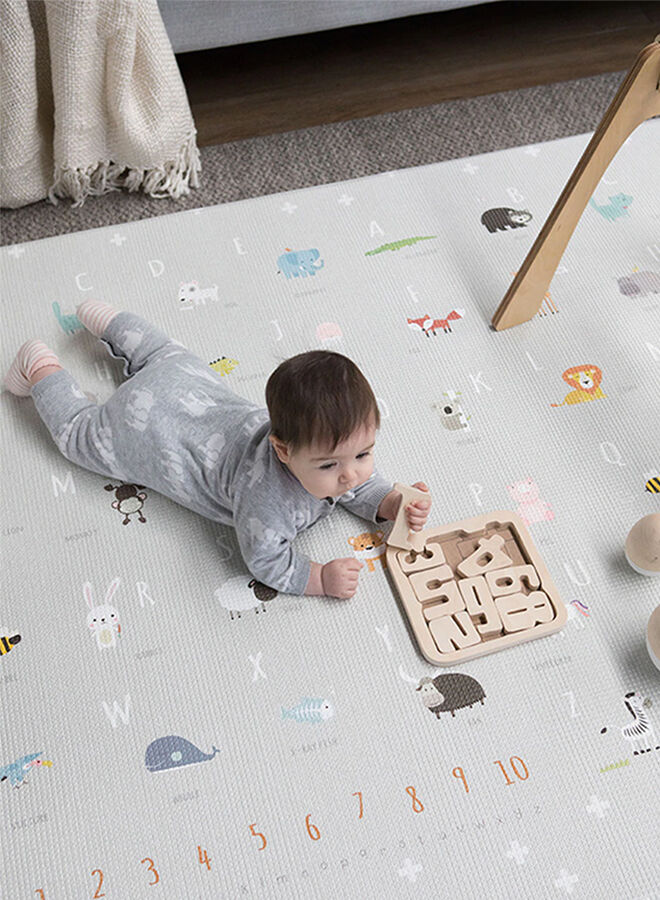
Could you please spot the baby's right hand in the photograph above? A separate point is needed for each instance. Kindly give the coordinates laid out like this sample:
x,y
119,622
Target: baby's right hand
x,y
340,577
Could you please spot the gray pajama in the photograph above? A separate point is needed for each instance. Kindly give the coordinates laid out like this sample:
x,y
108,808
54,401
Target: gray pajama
x,y
175,426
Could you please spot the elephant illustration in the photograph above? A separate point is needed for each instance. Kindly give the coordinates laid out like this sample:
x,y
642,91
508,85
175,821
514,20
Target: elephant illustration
x,y
299,262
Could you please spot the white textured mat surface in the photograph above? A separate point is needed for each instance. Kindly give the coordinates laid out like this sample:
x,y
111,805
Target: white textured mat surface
x,y
536,792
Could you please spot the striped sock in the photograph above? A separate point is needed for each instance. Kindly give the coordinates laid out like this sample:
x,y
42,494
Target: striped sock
x,y
31,356
96,316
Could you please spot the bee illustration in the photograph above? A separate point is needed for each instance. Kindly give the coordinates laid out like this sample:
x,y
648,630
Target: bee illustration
x,y
224,365
653,485
8,640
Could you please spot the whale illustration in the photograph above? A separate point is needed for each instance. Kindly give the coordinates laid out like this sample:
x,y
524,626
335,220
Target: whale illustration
x,y
173,751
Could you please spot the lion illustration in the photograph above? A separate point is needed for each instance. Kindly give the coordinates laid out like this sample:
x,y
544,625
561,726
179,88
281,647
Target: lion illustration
x,y
586,382
369,547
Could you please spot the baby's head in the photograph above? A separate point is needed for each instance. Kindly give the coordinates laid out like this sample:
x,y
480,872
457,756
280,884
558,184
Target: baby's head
x,y
324,419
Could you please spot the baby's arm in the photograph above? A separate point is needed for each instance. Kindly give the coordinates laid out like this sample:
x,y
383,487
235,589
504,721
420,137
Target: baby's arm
x,y
376,500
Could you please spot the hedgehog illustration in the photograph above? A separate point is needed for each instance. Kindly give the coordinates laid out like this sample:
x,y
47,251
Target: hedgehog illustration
x,y
447,693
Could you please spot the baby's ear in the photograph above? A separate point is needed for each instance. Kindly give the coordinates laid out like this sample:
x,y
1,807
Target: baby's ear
x,y
281,449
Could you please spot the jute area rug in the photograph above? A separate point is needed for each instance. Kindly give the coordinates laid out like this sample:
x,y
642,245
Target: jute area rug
x,y
296,159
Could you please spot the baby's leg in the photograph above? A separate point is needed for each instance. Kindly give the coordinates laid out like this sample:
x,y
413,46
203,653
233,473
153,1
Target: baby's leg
x,y
127,336
77,425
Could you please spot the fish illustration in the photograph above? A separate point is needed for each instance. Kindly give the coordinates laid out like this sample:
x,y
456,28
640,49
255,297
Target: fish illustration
x,y
173,751
310,709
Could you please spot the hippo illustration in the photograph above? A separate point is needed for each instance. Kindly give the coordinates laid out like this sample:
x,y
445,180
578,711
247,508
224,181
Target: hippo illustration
x,y
447,693
639,284
297,263
173,751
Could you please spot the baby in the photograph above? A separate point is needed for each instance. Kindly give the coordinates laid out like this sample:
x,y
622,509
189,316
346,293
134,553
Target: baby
x,y
175,427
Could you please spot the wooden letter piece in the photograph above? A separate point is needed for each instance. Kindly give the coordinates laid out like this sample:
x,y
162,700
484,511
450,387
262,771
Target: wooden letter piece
x,y
431,556
509,581
452,633
489,555
436,584
401,535
479,603
449,601
520,612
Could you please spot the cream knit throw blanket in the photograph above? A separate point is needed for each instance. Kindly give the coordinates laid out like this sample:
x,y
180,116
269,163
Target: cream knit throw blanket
x,y
91,101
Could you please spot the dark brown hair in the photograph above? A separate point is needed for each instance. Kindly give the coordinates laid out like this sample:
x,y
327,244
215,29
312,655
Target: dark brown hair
x,y
319,396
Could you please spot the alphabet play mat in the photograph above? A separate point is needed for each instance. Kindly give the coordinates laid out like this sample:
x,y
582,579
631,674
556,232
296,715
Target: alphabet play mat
x,y
172,728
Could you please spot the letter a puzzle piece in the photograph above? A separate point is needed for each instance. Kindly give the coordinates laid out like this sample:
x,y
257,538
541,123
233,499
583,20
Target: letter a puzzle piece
x,y
452,633
479,603
520,612
488,556
509,581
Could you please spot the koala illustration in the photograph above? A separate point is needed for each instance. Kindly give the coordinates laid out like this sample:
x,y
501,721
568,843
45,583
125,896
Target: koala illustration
x,y
501,218
453,416
369,547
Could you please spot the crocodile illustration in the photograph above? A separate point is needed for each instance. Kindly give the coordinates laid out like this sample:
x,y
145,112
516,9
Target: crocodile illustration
x,y
397,245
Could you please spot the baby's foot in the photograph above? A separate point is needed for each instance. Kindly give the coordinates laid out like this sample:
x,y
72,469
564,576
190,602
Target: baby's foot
x,y
96,316
31,357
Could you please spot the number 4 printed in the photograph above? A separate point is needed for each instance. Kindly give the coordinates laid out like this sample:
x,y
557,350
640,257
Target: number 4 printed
x,y
204,859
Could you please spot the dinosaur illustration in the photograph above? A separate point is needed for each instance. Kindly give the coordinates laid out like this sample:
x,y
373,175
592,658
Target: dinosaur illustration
x,y
617,207
70,323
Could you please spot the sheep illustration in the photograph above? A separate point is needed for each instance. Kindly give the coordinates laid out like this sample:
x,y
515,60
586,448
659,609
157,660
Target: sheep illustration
x,y
237,596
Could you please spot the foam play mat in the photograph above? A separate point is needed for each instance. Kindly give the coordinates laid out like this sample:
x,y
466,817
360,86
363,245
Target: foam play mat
x,y
171,727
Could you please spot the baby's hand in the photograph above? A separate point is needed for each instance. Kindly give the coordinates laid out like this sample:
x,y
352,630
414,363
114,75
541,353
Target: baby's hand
x,y
417,512
340,577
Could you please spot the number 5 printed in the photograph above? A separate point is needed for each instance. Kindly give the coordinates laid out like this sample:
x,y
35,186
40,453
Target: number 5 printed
x,y
258,834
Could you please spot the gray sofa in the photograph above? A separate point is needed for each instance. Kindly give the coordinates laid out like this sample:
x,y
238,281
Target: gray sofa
x,y
202,24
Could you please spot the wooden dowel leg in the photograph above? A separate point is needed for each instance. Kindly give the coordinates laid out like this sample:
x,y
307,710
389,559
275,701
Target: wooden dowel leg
x,y
637,99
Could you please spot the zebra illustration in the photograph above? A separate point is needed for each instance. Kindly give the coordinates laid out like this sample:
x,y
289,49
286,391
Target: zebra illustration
x,y
641,732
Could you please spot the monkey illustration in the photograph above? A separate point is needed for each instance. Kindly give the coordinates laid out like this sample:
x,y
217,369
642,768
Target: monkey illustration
x,y
128,501
501,218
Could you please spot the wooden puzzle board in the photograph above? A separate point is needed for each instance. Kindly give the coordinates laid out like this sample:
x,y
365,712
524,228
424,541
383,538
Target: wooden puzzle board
x,y
480,585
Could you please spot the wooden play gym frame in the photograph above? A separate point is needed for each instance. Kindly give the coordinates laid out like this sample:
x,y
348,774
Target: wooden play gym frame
x,y
637,100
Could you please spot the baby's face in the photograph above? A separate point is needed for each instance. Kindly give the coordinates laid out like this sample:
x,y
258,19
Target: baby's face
x,y
325,473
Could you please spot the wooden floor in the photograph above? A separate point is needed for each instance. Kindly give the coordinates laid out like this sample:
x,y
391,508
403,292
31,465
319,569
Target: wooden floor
x,y
282,85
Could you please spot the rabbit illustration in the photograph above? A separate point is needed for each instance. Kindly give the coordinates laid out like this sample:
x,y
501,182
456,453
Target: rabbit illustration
x,y
103,620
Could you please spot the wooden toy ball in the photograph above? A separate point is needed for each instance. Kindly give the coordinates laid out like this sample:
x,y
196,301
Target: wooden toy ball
x,y
643,545
653,636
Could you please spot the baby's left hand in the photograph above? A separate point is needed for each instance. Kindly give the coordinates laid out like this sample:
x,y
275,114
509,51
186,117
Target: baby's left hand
x,y
417,512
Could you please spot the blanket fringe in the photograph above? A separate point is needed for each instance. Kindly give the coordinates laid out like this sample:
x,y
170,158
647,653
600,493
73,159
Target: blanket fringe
x,y
172,179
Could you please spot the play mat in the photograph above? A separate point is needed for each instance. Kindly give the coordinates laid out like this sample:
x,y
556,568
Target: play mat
x,y
214,739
